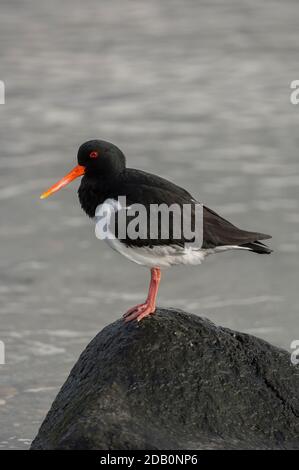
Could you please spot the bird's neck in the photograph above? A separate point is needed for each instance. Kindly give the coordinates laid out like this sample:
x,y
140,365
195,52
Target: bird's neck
x,y
94,190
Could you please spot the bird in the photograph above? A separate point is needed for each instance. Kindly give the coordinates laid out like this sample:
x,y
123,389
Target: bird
x,y
106,178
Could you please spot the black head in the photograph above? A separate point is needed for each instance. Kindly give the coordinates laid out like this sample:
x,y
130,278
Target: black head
x,y
101,159
98,161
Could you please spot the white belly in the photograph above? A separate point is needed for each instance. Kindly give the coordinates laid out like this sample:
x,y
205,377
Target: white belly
x,y
159,256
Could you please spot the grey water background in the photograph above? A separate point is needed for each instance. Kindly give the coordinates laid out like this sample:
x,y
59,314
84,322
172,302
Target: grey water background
x,y
195,91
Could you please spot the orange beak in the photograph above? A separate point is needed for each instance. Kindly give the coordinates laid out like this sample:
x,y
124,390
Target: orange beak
x,y
75,173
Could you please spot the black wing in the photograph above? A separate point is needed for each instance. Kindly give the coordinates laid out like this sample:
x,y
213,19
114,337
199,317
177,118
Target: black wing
x,y
145,188
220,232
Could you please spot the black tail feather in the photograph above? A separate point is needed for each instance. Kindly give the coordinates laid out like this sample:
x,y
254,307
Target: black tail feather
x,y
258,247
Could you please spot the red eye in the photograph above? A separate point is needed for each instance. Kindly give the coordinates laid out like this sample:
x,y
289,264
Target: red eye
x,y
93,155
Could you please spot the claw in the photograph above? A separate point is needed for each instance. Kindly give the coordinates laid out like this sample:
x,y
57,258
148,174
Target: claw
x,y
138,312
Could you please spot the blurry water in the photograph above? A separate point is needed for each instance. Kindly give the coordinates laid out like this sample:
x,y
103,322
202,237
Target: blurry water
x,y
196,91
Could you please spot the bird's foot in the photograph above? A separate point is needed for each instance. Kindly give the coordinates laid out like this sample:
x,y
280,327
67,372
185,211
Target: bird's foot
x,y
139,312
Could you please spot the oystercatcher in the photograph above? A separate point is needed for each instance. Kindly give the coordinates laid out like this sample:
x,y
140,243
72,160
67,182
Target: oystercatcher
x,y
106,177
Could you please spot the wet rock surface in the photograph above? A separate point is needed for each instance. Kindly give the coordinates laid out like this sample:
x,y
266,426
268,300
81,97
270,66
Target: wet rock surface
x,y
175,381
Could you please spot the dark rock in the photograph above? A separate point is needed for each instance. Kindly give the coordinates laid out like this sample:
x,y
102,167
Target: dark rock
x,y
175,381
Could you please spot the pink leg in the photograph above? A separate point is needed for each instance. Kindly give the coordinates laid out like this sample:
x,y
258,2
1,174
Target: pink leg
x,y
143,310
